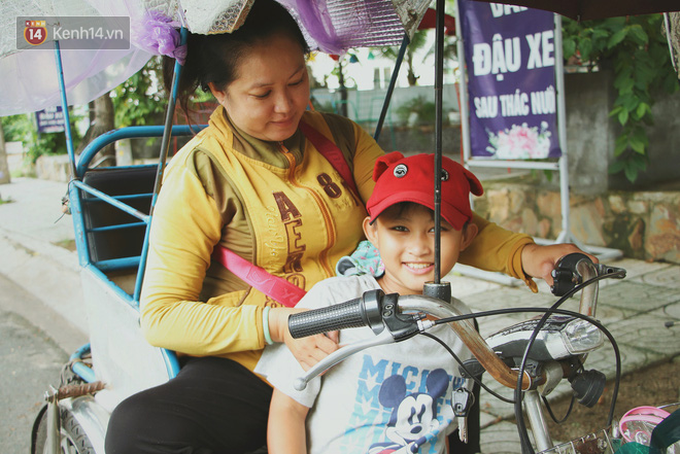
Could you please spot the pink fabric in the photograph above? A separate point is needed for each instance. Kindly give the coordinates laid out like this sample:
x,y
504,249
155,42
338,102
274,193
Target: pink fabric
x,y
275,287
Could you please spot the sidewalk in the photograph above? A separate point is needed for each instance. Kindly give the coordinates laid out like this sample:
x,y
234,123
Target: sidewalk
x,y
30,234
635,309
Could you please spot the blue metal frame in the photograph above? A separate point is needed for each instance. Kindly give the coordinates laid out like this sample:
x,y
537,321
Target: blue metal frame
x,y
77,188
130,132
80,369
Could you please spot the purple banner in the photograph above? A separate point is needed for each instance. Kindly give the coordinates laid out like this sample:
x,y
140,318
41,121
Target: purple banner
x,y
510,58
50,120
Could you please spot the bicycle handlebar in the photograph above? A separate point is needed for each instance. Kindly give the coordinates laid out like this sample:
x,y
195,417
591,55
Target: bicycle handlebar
x,y
364,311
374,309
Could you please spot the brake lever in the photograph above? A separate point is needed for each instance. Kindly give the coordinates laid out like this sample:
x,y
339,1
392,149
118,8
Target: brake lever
x,y
574,269
385,337
616,272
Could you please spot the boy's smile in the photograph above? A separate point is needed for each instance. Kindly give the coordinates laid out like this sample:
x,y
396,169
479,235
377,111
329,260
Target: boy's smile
x,y
404,235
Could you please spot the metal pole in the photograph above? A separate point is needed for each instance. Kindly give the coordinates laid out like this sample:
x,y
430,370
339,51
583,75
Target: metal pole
x,y
64,108
165,148
565,235
390,88
462,91
539,427
169,114
438,97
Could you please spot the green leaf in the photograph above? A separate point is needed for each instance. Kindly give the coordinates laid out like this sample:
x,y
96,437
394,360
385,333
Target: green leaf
x,y
624,83
621,145
617,37
586,46
598,33
615,111
568,47
637,146
642,109
639,162
640,135
644,75
614,23
639,34
623,117
629,101
616,167
631,173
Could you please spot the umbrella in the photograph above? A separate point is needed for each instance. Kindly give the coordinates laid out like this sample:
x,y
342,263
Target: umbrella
x,y
597,9
30,81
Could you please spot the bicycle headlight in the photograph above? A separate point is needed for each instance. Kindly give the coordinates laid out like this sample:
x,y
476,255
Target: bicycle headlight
x,y
560,337
581,336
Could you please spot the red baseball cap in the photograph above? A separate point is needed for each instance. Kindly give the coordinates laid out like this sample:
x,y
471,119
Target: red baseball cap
x,y
399,179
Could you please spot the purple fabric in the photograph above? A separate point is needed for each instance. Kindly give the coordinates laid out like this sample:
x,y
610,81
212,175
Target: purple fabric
x,y
510,56
338,25
334,26
317,22
159,35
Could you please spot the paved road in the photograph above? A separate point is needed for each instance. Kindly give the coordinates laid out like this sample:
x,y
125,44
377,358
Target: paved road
x,y
30,361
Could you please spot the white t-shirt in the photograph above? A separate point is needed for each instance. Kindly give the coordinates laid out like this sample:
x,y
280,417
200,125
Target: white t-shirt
x,y
386,399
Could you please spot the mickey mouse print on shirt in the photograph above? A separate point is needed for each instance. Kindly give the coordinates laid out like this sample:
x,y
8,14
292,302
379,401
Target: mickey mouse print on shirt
x,y
413,421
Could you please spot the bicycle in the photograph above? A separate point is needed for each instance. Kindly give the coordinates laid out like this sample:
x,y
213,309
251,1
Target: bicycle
x,y
531,357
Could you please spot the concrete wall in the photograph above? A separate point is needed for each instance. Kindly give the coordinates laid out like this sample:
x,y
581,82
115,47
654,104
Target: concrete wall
x,y
591,137
590,134
643,224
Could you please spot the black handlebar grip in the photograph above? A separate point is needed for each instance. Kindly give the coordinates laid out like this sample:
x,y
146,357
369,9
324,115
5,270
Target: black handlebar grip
x,y
565,275
350,314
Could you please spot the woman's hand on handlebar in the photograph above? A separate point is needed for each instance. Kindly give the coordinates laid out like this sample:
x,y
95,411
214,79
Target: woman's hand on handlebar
x,y
539,261
307,350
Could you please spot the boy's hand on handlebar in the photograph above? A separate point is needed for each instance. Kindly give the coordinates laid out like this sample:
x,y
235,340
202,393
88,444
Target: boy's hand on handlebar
x,y
539,261
307,350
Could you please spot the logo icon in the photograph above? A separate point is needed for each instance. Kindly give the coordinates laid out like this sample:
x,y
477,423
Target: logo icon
x,y
35,32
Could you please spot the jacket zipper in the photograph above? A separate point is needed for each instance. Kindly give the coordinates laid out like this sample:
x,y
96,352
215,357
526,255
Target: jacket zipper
x,y
327,218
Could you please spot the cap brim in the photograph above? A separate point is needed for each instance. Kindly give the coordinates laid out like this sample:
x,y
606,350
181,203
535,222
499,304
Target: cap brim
x,y
449,212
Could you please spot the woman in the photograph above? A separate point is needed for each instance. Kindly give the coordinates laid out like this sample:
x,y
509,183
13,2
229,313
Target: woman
x,y
254,183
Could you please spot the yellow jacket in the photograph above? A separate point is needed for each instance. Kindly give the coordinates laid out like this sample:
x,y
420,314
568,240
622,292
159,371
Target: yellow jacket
x,y
283,207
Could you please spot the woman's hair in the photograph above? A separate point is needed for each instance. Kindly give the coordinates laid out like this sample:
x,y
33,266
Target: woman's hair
x,y
216,58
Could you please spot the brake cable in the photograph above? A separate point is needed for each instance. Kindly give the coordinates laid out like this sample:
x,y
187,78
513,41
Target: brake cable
x,y
521,426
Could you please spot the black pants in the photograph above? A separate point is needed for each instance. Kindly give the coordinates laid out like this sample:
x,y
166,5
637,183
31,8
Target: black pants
x,y
213,405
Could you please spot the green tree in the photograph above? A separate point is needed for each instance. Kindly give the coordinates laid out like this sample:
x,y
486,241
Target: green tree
x,y
635,48
418,42
18,128
22,128
140,100
4,166
101,121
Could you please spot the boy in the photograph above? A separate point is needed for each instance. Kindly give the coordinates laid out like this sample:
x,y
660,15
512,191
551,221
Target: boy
x,y
392,398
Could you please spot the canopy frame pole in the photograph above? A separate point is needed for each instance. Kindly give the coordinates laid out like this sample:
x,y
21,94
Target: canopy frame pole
x,y
390,89
438,101
165,149
64,108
